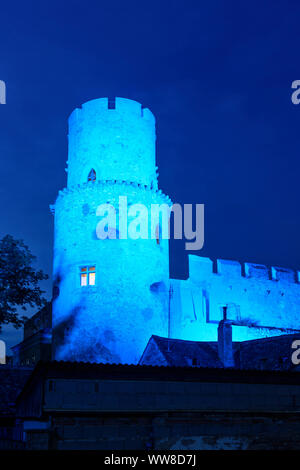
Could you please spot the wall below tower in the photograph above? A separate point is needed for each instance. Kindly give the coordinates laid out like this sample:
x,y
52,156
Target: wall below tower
x,y
262,302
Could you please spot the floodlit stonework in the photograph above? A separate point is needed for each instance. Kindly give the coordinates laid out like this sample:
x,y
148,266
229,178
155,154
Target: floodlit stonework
x,y
109,315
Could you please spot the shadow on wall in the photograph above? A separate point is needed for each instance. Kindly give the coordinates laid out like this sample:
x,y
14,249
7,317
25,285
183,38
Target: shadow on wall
x,y
62,331
71,342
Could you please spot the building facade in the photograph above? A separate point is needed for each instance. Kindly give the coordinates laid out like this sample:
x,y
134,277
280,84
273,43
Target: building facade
x,y
66,406
260,301
37,339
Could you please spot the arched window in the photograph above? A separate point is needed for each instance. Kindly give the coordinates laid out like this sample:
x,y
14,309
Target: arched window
x,y
92,175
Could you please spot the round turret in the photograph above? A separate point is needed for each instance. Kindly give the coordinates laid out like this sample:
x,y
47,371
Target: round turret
x,y
113,139
110,295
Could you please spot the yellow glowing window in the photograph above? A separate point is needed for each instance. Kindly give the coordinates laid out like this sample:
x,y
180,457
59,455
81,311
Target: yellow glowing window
x,y
87,276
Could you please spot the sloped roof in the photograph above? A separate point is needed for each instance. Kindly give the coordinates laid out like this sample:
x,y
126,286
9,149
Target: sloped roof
x,y
257,361
273,353
181,353
40,320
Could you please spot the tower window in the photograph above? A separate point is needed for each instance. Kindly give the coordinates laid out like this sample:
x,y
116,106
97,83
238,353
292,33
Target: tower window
x,y
111,103
158,234
92,175
87,276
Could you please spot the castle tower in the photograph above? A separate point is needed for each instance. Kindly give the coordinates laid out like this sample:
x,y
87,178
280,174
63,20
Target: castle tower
x,y
109,295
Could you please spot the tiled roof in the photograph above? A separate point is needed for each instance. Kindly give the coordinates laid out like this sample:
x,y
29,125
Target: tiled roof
x,y
181,353
273,353
129,372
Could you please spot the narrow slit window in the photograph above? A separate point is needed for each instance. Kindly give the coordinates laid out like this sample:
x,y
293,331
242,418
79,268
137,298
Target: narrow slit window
x,y
92,175
87,276
158,234
111,103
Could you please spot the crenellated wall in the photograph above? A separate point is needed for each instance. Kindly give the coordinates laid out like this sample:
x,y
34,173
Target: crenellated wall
x,y
260,301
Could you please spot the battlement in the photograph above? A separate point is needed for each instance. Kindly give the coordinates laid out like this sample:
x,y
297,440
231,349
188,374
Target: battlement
x,y
109,105
202,266
157,195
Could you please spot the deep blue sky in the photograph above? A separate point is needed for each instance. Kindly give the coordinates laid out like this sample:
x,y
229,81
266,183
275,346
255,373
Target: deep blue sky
x,y
217,75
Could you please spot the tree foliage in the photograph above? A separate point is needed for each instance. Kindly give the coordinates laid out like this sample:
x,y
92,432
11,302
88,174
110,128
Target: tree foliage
x,y
19,281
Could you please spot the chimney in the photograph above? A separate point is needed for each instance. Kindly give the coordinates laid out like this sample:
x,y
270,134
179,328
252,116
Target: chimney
x,y
225,341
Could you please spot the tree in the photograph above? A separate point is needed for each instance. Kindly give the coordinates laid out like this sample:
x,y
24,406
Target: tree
x,y
19,281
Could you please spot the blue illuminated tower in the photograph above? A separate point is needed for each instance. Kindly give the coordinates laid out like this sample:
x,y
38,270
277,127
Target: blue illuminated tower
x,y
110,295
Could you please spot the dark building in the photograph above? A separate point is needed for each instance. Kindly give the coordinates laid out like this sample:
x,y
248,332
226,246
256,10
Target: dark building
x,y
12,380
182,395
37,339
67,405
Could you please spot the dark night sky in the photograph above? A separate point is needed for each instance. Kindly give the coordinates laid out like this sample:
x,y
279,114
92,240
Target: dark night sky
x,y
217,75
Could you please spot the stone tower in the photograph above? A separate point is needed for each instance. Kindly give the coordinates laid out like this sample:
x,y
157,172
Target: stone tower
x,y
109,295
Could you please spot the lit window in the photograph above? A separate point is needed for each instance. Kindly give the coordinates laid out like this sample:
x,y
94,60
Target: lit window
x,y
92,175
87,276
92,275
